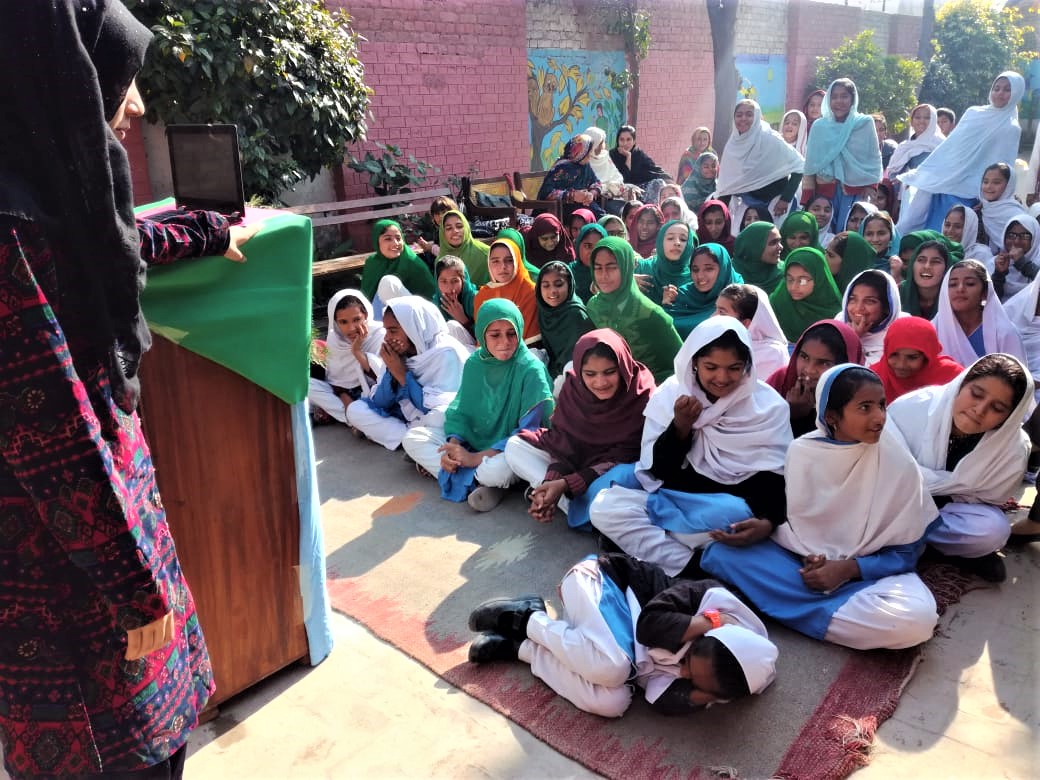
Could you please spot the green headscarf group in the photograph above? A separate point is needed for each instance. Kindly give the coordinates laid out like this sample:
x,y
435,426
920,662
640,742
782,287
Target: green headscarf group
x,y
858,257
691,306
496,394
583,273
473,253
644,325
822,304
561,326
748,249
800,222
908,296
408,267
663,271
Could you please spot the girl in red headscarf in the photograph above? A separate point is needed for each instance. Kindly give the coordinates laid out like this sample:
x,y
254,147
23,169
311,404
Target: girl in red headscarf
x,y
643,226
912,358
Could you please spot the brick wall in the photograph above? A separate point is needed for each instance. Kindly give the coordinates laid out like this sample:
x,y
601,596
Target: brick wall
x,y
449,80
677,88
761,27
568,24
134,144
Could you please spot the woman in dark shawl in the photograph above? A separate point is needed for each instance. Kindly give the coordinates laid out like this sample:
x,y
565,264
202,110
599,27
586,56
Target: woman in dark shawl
x,y
572,180
635,165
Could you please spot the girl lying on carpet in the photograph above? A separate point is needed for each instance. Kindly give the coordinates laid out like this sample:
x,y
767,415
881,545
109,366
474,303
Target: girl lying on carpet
x,y
842,567
687,644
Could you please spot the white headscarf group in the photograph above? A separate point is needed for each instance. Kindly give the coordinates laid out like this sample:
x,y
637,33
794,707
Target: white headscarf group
x,y
846,500
756,158
342,368
746,432
927,141
803,130
998,214
998,334
989,473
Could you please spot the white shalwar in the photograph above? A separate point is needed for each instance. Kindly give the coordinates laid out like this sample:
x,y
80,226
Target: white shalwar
x,y
422,444
530,464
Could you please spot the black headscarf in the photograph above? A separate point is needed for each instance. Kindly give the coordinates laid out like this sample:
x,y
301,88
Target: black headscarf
x,y
67,66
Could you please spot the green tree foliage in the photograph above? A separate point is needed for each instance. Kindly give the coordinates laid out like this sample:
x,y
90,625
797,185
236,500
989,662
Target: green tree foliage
x,y
285,72
886,83
973,42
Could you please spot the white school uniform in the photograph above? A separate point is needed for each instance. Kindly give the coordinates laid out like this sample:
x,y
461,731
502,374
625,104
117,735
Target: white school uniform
x,y
998,333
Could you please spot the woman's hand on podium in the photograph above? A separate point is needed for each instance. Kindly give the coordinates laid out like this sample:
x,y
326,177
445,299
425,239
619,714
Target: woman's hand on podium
x,y
239,235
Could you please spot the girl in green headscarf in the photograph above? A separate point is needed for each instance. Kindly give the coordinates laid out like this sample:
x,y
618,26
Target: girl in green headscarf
x,y
562,317
670,264
620,305
454,296
919,292
581,268
614,225
756,255
393,257
848,255
505,389
711,271
799,229
455,238
808,293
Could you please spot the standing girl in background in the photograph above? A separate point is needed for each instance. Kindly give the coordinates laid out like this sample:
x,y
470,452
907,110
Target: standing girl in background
x,y
820,207
795,129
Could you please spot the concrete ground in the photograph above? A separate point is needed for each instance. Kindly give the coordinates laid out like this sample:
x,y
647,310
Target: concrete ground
x,y
369,711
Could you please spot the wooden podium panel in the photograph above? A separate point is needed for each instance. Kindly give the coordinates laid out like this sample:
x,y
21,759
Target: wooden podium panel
x,y
223,453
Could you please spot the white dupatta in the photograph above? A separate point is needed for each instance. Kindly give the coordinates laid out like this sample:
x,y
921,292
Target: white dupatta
x,y
746,432
768,342
756,158
989,473
874,340
341,367
912,147
998,214
846,500
998,333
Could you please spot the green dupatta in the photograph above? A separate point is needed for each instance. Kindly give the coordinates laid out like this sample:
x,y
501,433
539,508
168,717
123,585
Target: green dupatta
x,y
561,326
664,271
747,255
691,306
908,297
859,256
823,304
472,252
800,222
644,325
496,394
408,267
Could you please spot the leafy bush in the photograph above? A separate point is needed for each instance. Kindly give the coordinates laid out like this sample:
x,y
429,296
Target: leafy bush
x,y
973,42
285,72
388,174
886,83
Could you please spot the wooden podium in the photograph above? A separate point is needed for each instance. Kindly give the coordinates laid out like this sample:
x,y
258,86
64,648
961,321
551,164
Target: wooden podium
x,y
223,453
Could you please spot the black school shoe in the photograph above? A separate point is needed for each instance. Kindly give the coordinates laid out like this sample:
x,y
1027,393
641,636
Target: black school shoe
x,y
493,647
507,617
989,567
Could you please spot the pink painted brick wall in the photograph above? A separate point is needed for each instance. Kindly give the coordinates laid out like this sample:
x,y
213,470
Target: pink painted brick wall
x,y
134,144
449,80
677,89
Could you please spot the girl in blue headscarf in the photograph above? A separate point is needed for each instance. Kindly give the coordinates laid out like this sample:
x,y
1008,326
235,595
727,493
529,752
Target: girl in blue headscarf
x,y
842,157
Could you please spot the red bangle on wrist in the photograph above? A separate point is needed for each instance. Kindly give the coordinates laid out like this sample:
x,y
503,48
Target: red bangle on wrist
x,y
714,617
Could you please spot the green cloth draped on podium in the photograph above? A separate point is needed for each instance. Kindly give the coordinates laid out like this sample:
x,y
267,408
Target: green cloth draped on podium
x,y
253,318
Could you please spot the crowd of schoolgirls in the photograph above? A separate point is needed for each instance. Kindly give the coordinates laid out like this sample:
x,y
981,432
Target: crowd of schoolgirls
x,y
790,373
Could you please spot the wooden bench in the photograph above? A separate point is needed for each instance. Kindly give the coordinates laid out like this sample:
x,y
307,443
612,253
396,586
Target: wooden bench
x,y
528,184
498,186
342,212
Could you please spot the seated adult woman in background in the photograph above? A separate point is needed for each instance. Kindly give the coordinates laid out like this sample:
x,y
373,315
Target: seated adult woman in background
x,y
661,275
611,181
1017,262
548,240
813,107
758,166
848,254
870,304
394,258
710,270
700,142
750,305
455,298
961,225
700,184
562,318
967,439
636,166
510,279
850,582
997,204
644,225
913,359
970,319
925,136
842,157
799,229
952,172
597,424
823,345
795,129
714,224
919,292
674,208
820,207
504,389
808,293
581,269
423,371
711,429
757,255
571,179
620,306
352,364
456,238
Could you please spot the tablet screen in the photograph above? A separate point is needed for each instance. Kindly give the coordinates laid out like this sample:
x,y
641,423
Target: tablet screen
x,y
206,167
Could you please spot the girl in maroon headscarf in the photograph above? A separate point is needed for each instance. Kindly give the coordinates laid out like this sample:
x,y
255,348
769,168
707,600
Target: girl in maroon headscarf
x,y
642,232
597,424
547,240
715,225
